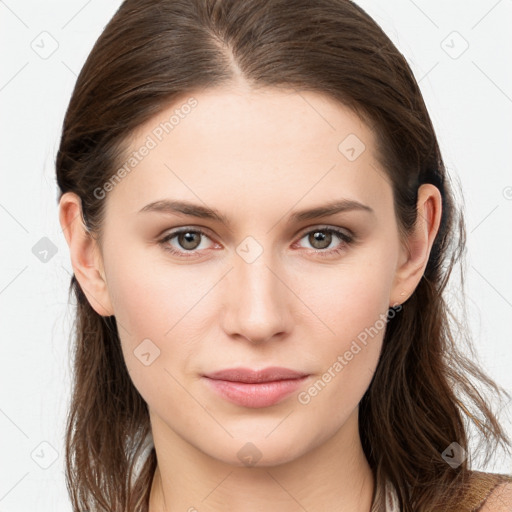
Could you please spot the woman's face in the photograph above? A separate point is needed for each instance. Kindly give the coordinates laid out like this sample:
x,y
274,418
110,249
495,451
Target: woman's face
x,y
258,283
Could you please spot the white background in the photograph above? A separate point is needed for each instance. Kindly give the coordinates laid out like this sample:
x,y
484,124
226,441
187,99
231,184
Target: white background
x,y
470,102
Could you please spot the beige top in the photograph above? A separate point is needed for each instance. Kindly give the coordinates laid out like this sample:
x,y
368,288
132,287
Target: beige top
x,y
479,487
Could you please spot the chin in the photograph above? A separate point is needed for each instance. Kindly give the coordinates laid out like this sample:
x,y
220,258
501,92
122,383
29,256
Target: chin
x,y
258,451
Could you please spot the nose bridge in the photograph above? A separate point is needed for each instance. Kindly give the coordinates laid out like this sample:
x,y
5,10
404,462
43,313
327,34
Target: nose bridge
x,y
257,299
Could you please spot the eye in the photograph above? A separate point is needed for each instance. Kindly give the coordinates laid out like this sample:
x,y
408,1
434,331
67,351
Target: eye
x,y
187,240
322,237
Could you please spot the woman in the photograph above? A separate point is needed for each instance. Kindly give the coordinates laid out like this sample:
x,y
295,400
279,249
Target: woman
x,y
261,228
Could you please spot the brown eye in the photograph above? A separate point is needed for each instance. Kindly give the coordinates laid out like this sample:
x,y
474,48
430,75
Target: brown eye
x,y
189,239
319,239
185,242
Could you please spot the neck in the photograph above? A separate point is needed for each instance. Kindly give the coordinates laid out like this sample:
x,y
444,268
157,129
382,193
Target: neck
x,y
332,476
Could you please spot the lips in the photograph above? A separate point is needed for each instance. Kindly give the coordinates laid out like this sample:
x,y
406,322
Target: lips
x,y
248,375
255,388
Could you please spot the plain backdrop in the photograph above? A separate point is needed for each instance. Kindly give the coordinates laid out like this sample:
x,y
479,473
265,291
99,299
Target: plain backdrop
x,y
460,53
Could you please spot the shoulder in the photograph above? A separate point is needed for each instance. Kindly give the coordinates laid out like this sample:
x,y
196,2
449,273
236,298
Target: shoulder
x,y
483,492
500,499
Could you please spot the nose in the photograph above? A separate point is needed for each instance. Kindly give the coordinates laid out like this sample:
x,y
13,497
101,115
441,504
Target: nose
x,y
257,301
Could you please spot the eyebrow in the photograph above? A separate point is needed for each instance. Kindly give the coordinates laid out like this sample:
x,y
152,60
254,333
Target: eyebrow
x,y
203,212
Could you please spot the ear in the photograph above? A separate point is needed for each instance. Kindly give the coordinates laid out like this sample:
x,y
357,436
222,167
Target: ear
x,y
85,254
415,254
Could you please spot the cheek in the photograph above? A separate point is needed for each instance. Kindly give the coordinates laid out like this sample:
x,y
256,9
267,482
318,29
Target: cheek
x,y
353,303
158,309
346,363
150,296
349,299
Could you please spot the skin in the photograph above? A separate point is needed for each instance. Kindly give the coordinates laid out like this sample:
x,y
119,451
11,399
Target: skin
x,y
256,157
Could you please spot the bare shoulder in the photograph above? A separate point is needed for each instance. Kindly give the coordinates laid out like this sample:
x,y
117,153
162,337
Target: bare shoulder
x,y
500,500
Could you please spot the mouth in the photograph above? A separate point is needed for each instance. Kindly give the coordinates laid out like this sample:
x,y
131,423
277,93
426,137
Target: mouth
x,y
255,388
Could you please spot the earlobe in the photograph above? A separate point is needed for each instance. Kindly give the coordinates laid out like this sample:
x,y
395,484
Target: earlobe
x,y
415,254
85,254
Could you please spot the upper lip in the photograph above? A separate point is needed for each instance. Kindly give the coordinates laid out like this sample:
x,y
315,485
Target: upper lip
x,y
269,374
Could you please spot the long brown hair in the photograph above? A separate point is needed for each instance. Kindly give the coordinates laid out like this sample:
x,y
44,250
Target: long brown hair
x,y
425,393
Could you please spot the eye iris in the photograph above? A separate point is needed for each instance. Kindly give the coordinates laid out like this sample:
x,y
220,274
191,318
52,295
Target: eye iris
x,y
186,239
322,237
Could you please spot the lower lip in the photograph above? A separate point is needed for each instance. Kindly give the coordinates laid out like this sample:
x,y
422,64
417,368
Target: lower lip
x,y
254,395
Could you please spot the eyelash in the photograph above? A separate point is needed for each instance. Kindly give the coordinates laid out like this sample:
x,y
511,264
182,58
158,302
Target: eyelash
x,y
346,239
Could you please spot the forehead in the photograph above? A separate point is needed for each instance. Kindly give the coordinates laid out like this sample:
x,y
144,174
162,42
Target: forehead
x,y
252,147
